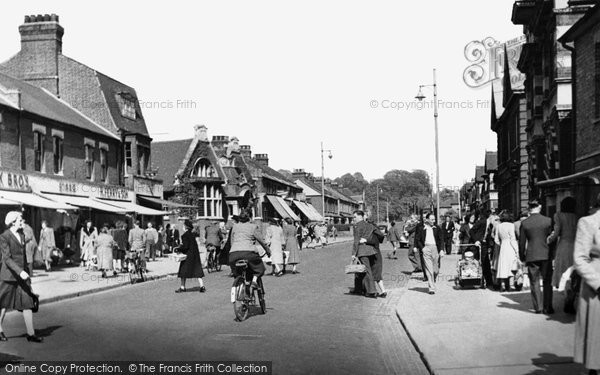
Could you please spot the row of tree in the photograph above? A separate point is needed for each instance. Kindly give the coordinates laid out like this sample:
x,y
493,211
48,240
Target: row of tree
x,y
400,192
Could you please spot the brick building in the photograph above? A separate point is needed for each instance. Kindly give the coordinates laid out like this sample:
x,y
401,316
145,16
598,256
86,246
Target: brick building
x,y
56,164
509,122
583,40
108,102
547,66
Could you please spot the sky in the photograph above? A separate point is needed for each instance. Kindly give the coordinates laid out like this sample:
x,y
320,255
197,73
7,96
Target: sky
x,y
285,76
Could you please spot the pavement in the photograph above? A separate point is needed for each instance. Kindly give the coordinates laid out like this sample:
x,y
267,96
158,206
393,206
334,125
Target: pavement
x,y
312,324
473,331
70,281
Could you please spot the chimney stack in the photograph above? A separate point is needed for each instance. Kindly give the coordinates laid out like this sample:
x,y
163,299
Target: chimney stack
x,y
41,43
246,151
299,173
219,142
200,133
262,159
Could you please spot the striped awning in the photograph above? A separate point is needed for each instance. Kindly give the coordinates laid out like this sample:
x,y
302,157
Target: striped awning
x,y
282,208
309,211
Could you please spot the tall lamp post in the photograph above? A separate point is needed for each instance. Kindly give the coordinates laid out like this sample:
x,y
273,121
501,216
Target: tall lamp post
x,y
420,96
378,203
330,155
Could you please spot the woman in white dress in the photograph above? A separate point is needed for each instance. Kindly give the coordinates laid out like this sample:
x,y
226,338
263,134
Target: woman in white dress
x,y
87,244
275,241
509,250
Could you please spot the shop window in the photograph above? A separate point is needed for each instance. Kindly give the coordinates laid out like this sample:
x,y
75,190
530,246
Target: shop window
x,y
89,161
103,164
38,151
57,144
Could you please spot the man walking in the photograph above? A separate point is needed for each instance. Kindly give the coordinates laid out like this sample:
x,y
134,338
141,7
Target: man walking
x,y
429,241
413,253
448,234
150,241
534,251
394,237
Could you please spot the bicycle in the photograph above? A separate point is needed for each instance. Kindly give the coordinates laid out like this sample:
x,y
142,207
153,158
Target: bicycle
x,y
136,266
212,261
243,296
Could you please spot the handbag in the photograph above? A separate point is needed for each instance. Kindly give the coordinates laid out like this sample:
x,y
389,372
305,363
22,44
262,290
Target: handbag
x,y
516,265
355,267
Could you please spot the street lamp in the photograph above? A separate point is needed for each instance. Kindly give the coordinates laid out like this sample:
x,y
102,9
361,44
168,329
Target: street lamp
x,y
330,155
378,188
420,96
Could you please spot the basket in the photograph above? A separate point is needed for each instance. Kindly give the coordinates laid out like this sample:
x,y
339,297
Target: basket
x,y
355,268
177,257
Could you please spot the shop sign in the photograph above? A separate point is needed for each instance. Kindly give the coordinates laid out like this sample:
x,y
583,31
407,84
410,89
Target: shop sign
x,y
14,181
146,187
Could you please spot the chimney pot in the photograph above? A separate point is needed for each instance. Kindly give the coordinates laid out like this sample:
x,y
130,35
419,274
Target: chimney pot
x,y
200,132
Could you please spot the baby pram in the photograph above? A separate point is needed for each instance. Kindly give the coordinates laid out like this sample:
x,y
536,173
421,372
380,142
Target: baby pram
x,y
468,269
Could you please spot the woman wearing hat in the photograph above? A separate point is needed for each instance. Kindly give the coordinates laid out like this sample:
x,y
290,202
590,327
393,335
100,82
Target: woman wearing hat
x,y
191,267
275,240
15,284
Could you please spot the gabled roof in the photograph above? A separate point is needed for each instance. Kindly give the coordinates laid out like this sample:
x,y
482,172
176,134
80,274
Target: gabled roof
x,y
259,170
167,157
38,101
479,171
491,161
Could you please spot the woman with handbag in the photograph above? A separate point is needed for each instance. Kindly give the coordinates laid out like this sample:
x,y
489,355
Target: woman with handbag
x,y
366,250
506,263
275,241
47,244
15,283
87,244
191,266
587,264
291,244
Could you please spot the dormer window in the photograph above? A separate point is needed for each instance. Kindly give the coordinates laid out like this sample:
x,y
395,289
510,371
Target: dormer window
x,y
127,105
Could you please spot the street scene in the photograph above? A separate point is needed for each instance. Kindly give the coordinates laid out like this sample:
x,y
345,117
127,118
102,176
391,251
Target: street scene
x,y
317,188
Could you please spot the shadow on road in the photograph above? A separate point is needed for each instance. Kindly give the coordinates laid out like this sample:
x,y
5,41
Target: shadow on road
x,y
551,364
419,289
523,303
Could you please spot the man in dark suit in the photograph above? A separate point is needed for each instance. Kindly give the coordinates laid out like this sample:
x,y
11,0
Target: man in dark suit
x,y
482,253
448,232
534,251
429,241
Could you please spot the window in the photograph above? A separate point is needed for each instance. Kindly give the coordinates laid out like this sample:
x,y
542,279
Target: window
x,y
203,168
210,202
38,150
127,105
57,144
128,160
143,153
89,161
103,164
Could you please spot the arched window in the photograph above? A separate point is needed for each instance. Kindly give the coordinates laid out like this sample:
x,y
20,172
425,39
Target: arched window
x,y
203,168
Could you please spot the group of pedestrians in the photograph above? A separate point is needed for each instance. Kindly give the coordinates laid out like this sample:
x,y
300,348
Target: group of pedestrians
x,y
281,237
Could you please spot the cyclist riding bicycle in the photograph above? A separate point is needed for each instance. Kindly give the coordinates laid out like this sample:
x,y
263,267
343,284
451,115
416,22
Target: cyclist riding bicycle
x,y
213,238
244,236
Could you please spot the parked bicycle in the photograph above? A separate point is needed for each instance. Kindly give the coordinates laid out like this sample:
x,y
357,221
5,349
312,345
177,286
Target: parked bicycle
x,y
243,296
136,265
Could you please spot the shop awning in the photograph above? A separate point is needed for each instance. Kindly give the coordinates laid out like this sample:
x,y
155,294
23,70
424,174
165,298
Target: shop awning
x,y
6,202
282,208
309,211
132,207
80,201
163,202
569,178
33,199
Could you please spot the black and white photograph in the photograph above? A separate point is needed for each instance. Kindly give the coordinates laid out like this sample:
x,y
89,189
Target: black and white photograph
x,y
315,187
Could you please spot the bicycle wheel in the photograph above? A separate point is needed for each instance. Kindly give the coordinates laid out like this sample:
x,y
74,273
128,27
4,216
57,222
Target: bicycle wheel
x,y
239,299
261,297
209,262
